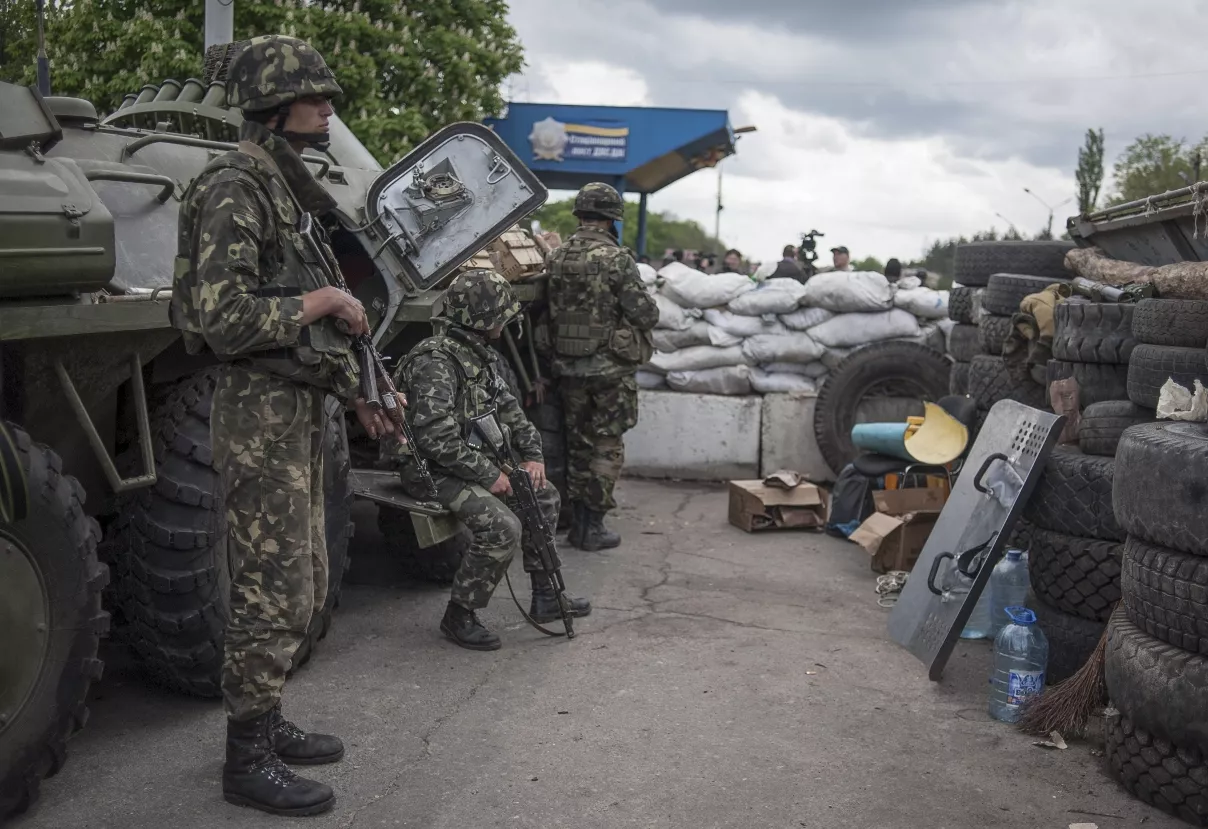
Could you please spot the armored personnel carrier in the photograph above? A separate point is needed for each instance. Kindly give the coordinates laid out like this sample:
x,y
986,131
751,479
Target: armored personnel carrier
x,y
109,506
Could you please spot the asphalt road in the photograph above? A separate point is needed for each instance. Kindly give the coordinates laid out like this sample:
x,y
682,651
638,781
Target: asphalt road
x,y
724,680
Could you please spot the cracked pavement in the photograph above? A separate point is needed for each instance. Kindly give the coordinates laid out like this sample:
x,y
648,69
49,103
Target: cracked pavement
x,y
723,680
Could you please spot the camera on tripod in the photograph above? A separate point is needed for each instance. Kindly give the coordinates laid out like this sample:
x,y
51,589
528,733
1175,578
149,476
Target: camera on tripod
x,y
807,252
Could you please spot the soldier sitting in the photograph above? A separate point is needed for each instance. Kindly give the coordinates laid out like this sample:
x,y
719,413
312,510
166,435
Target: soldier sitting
x,y
450,380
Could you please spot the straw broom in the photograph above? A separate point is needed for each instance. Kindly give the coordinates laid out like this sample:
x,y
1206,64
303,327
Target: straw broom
x,y
1068,705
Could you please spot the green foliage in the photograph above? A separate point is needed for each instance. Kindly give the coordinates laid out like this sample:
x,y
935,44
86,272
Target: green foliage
x,y
663,230
1090,171
1154,164
407,68
869,263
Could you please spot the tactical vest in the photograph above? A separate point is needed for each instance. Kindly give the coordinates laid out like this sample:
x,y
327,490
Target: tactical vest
x,y
323,355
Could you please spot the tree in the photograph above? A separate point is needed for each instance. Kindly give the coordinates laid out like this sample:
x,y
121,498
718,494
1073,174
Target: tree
x,y
407,68
663,230
869,263
1154,164
1090,171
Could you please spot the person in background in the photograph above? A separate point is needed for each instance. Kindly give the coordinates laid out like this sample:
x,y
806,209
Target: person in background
x,y
706,263
643,259
732,262
893,270
842,260
787,267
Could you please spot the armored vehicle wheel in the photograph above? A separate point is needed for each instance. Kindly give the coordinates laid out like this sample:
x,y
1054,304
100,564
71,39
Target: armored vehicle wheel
x,y
169,545
50,612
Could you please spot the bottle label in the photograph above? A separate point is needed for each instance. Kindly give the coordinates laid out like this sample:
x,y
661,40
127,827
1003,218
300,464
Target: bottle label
x,y
1023,686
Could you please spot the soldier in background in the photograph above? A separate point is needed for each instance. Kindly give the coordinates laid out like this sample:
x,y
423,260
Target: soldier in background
x,y
451,380
601,317
247,292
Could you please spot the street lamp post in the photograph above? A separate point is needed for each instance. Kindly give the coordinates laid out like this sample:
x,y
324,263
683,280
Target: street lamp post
x,y
1049,229
738,133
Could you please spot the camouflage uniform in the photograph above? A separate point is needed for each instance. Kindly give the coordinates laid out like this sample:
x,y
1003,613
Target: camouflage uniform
x,y
450,379
241,271
601,316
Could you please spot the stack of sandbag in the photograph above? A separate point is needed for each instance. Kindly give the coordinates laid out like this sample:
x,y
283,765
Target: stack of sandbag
x,y
734,334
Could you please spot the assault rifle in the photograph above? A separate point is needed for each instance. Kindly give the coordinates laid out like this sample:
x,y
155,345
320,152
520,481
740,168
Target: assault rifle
x,y
1102,292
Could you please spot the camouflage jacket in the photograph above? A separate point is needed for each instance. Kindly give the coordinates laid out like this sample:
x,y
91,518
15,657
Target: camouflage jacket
x,y
448,379
601,314
242,266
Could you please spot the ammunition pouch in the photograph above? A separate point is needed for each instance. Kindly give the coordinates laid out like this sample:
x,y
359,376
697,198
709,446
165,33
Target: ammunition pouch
x,y
632,345
575,336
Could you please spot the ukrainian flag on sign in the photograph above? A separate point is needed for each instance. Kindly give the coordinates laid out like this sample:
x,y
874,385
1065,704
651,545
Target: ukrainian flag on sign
x,y
597,141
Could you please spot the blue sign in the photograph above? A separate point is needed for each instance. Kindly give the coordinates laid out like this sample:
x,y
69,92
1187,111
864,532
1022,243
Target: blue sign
x,y
587,140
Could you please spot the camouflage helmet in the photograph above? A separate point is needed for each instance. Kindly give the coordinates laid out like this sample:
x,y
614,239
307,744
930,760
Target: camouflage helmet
x,y
273,71
480,299
600,198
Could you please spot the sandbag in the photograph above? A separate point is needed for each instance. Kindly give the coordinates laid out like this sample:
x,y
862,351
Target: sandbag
x,y
720,380
796,347
673,316
690,288
833,356
848,291
804,319
666,339
648,275
650,380
697,358
741,326
766,382
847,330
776,296
922,302
908,283
804,369
721,338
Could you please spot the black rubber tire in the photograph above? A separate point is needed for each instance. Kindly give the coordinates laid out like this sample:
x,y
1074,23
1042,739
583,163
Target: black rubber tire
x,y
1166,594
1093,332
975,262
1005,291
989,382
1150,366
1160,493
907,368
1166,776
960,304
1164,689
1103,423
958,379
992,333
1072,640
1074,496
438,563
169,546
1097,382
1079,576
963,343
62,541
1176,322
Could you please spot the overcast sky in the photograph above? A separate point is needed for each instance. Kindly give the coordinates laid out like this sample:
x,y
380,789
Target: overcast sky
x,y
883,123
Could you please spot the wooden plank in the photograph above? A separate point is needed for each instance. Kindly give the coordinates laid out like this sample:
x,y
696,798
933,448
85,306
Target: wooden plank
x,y
28,322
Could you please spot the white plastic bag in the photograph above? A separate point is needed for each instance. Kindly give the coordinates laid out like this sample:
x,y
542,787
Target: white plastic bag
x,y
672,316
650,380
692,289
776,296
720,380
847,291
766,382
781,348
847,330
698,358
741,326
1175,402
804,319
922,302
648,274
666,339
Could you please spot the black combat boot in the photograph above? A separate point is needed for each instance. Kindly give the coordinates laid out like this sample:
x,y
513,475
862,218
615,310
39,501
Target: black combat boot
x,y
595,535
463,627
574,535
544,607
293,745
255,776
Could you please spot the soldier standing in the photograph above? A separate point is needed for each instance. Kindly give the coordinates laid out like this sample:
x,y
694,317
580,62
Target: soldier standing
x,y
451,379
249,291
601,316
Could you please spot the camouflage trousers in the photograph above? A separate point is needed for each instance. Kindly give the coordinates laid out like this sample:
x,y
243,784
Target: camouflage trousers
x,y
267,438
497,531
598,410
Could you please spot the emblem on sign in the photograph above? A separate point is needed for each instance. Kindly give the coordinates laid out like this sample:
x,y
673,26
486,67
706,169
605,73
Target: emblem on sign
x,y
548,139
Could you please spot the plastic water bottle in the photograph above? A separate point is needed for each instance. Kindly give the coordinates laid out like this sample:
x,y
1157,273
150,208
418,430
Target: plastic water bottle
x,y
978,625
1021,655
1008,588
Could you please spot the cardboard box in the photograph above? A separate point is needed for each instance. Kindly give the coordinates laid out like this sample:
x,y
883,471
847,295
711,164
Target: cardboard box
x,y
755,507
895,534
517,255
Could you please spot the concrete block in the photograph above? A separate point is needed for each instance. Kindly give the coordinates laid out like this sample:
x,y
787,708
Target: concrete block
x,y
788,437
694,437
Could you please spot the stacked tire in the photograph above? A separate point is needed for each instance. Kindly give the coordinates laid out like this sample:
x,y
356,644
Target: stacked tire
x,y
1075,549
963,343
1092,343
1156,665
1171,335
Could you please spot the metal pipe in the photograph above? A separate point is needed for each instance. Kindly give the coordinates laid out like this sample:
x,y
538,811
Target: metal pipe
x,y
216,95
220,22
192,92
168,90
1169,195
146,94
171,138
526,384
168,184
42,60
